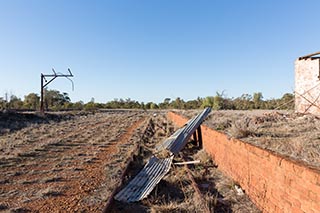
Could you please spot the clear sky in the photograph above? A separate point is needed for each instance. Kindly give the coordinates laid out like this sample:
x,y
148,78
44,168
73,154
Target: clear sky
x,y
155,49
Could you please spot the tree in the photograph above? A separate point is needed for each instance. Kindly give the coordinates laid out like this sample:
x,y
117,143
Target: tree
x,y
2,104
218,101
287,101
90,106
178,103
244,102
257,100
192,104
53,99
154,106
6,100
207,102
31,101
65,98
142,105
165,104
148,105
15,102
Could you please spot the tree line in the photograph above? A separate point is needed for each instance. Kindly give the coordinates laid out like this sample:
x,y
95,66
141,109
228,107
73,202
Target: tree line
x,y
54,100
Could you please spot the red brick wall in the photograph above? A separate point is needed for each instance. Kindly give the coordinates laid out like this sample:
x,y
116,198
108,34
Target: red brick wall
x,y
273,182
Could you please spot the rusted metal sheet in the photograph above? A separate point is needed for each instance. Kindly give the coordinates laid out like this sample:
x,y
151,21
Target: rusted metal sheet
x,y
141,185
179,139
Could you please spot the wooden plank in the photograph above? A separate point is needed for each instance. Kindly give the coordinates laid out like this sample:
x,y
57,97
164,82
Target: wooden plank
x,y
188,162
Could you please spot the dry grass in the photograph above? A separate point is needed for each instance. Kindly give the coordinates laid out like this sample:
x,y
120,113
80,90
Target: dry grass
x,y
50,192
242,128
52,179
69,161
174,206
3,206
19,210
204,157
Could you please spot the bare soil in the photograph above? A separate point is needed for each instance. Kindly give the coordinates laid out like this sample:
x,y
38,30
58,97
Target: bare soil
x,y
294,135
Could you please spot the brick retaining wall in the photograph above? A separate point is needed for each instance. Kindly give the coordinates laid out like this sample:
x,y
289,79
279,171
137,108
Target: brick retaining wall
x,y
273,182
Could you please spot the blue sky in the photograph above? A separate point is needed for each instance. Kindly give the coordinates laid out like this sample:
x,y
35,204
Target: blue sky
x,y
151,50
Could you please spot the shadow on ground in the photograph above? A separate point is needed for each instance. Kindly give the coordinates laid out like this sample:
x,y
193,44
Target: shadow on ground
x,y
14,121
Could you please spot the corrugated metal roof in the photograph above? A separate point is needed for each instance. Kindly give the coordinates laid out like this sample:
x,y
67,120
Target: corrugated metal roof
x,y
141,185
179,139
309,55
170,140
145,181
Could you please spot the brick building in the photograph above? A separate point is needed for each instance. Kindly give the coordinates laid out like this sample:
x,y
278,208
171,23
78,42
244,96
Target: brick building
x,y
307,84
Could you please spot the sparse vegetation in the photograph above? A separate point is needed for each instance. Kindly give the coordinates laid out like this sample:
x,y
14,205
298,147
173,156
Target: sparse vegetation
x,y
63,163
49,192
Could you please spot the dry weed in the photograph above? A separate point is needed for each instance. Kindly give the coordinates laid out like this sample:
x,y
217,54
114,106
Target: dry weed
x,y
19,210
48,192
3,206
163,154
203,156
242,128
52,179
170,207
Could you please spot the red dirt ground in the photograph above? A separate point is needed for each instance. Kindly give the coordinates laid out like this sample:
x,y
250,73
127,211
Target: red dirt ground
x,y
69,166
